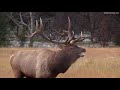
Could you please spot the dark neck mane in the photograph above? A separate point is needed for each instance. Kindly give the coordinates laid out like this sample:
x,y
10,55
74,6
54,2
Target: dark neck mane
x,y
61,61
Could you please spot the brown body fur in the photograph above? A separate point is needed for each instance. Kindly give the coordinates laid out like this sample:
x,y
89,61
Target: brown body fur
x,y
43,63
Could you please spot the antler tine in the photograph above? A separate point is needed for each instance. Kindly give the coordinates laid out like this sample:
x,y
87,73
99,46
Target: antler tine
x,y
37,26
69,25
70,32
38,29
81,35
78,39
41,25
32,34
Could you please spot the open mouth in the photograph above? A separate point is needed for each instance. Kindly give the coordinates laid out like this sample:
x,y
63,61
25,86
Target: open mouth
x,y
82,54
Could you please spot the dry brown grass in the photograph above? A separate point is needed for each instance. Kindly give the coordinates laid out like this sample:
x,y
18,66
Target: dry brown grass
x,y
97,63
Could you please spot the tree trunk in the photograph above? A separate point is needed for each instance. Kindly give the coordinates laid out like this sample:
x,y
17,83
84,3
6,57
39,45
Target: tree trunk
x,y
21,43
91,25
31,42
31,30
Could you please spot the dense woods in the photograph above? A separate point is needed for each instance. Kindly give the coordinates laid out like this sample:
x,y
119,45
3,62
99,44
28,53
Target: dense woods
x,y
100,28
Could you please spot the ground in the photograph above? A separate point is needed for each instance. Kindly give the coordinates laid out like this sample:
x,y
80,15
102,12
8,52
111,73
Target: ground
x,y
97,63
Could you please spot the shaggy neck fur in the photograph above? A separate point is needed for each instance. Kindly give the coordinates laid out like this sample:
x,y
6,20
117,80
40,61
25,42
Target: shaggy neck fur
x,y
61,61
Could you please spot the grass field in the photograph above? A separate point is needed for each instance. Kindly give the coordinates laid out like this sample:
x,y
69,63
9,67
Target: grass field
x,y
97,63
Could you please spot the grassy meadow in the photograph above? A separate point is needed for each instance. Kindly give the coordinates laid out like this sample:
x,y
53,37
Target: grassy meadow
x,y
97,63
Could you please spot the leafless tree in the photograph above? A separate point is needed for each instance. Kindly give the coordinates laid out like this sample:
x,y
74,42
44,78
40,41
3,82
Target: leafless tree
x,y
23,20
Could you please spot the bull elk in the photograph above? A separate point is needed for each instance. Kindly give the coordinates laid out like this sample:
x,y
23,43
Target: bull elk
x,y
45,63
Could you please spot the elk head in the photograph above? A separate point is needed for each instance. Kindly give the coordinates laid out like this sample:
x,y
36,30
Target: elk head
x,y
69,45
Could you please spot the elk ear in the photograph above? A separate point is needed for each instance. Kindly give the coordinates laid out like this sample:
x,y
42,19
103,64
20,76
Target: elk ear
x,y
61,46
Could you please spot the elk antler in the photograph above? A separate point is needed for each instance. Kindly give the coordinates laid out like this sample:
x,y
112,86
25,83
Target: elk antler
x,y
39,30
77,39
70,34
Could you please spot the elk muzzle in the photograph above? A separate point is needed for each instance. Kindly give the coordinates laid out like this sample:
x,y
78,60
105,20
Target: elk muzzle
x,y
82,54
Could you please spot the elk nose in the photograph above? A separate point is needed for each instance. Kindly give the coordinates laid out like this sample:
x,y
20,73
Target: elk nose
x,y
84,50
